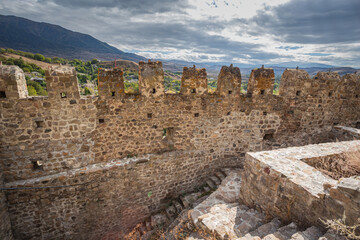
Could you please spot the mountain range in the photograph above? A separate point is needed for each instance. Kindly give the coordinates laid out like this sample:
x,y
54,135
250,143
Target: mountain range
x,y
53,40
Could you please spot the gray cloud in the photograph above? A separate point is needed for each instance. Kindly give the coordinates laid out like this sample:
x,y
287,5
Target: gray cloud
x,y
150,26
309,21
138,6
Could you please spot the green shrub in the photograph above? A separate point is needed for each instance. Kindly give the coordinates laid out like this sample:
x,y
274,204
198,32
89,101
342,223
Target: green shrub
x,y
39,57
39,90
31,90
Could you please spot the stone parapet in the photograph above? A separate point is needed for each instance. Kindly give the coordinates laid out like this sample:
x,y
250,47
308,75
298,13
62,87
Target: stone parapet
x,y
111,83
12,82
281,183
151,79
229,81
194,81
261,82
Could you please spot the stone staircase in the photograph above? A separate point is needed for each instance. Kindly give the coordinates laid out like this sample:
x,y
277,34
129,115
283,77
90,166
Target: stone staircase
x,y
221,216
200,216
178,208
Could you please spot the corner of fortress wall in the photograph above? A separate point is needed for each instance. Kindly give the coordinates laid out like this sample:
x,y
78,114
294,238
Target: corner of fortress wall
x,y
194,81
12,83
111,83
229,81
261,82
121,146
151,79
61,82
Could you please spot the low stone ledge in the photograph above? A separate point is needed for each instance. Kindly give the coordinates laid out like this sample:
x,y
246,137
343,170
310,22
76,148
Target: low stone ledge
x,y
280,183
349,130
127,163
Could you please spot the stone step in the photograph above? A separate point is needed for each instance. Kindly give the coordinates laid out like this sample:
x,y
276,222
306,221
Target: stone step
x,y
227,171
189,199
283,233
230,220
221,175
311,233
210,183
178,206
220,219
216,180
207,189
148,226
248,222
171,212
159,219
195,236
331,235
228,192
263,230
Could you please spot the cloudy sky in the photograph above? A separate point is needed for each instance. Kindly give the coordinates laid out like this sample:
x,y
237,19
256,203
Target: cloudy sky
x,y
238,31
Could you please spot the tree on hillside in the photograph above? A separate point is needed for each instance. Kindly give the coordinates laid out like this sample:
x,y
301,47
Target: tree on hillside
x,y
94,61
39,57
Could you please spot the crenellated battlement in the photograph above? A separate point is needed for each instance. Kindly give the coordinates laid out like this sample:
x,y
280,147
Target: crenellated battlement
x,y
62,83
111,83
194,81
293,81
12,82
261,82
151,79
229,81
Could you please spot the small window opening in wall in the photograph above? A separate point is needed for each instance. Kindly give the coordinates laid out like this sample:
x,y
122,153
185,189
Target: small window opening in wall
x,y
113,94
149,115
316,77
262,92
37,165
268,136
330,94
357,125
168,133
153,90
298,93
264,113
40,124
228,113
63,95
101,120
193,90
356,96
2,94
230,92
196,115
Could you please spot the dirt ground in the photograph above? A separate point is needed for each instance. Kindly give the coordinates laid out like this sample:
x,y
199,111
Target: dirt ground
x,y
43,65
338,166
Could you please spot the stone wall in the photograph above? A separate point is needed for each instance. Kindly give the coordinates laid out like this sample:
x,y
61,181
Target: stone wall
x,y
103,142
12,84
111,83
5,226
280,183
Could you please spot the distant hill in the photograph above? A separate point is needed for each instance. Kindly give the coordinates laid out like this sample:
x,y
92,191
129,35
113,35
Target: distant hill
x,y
125,64
52,40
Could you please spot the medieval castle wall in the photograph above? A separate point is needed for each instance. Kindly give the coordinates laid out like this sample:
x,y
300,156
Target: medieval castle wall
x,y
112,160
